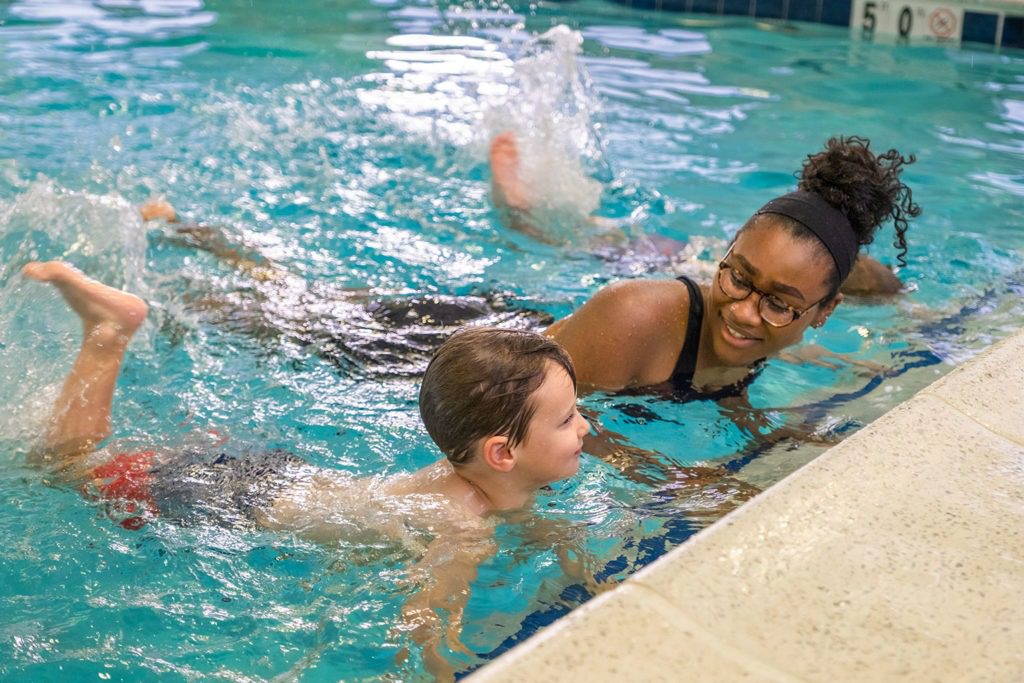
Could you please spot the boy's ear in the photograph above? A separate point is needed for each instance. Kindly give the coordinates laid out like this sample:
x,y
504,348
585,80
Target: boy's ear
x,y
497,454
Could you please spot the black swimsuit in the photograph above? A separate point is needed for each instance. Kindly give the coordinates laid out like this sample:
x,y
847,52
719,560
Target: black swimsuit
x,y
686,365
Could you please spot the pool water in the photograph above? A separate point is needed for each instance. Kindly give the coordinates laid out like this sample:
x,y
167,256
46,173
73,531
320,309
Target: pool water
x,y
346,144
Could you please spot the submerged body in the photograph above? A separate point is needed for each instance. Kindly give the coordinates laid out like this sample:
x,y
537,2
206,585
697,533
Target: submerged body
x,y
279,490
359,332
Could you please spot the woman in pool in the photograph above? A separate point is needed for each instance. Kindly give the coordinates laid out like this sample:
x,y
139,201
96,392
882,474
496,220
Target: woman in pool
x,y
781,275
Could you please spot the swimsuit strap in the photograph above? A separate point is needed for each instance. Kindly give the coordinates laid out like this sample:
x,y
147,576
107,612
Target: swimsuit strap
x,y
686,365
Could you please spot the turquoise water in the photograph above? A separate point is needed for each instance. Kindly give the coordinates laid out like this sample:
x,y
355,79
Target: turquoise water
x,y
346,142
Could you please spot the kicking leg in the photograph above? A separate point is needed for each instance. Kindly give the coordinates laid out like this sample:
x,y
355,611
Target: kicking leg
x,y
81,415
158,208
507,187
508,192
213,241
512,197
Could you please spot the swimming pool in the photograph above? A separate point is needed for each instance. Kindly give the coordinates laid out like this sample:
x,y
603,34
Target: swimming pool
x,y
347,144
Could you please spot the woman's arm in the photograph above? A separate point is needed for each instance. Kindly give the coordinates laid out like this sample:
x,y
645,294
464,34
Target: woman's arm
x,y
815,354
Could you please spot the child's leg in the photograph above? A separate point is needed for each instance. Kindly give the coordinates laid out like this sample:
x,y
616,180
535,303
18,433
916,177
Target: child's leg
x,y
512,198
507,190
211,240
81,415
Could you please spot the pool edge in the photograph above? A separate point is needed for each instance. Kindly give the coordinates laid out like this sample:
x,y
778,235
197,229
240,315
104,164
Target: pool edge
x,y
894,555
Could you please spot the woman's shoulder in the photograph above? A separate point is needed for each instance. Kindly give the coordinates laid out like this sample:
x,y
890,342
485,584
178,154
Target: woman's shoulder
x,y
650,318
654,302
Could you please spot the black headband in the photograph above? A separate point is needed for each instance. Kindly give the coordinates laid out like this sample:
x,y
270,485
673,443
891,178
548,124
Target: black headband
x,y
828,224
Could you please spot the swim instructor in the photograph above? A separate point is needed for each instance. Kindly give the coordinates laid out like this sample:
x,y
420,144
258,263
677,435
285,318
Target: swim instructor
x,y
781,275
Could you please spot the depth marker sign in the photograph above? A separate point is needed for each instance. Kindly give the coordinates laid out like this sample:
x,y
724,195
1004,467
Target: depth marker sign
x,y
907,20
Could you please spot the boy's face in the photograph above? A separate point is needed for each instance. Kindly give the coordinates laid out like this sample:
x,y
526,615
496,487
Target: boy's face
x,y
554,439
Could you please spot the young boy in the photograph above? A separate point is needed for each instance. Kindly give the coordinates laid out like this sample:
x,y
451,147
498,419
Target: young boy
x,y
501,405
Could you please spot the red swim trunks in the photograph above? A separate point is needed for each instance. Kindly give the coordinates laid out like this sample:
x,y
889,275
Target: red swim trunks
x,y
124,482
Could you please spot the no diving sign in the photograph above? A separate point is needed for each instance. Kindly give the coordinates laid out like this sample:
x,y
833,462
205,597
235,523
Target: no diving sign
x,y
942,22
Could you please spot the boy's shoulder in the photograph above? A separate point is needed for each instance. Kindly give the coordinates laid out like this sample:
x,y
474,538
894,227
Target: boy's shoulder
x,y
441,492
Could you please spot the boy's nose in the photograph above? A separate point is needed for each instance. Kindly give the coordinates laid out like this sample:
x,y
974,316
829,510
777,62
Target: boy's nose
x,y
582,426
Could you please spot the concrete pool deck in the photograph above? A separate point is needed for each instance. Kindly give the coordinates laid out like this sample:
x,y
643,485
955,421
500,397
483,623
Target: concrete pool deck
x,y
896,555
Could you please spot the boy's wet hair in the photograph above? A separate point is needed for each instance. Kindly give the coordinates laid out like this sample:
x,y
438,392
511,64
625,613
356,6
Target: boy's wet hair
x,y
480,383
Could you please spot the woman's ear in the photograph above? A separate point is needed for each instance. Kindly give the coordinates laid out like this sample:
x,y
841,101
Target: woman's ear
x,y
497,454
825,310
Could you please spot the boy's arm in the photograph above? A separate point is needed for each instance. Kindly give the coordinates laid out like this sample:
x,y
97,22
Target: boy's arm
x,y
445,574
316,508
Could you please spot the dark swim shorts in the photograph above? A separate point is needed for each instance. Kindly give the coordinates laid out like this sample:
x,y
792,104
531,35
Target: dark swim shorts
x,y
192,489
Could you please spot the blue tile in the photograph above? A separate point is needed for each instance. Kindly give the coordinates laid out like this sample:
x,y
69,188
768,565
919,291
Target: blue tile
x,y
769,9
836,12
705,6
1013,32
803,10
736,7
676,5
980,27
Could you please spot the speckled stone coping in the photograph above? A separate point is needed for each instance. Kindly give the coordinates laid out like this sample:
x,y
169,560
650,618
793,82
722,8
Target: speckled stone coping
x,y
897,555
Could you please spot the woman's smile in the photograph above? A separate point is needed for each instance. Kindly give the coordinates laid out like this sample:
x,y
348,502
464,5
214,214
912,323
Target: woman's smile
x,y
736,335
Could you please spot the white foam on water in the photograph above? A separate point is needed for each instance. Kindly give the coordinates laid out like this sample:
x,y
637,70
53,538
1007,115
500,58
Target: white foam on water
x,y
102,234
549,105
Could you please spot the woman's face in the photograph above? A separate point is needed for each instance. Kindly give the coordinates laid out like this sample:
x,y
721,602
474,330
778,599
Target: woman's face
x,y
769,258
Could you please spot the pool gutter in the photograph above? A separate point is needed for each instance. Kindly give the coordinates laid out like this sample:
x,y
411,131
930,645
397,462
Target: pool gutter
x,y
896,555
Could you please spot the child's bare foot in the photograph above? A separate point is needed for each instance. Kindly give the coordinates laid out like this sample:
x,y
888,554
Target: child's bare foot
x,y
108,314
506,186
158,208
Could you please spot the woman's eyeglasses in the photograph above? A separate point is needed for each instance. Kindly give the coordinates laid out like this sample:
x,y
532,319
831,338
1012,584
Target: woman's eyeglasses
x,y
773,310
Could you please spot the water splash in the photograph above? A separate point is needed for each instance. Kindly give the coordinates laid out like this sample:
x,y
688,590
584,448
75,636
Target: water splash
x,y
103,236
548,103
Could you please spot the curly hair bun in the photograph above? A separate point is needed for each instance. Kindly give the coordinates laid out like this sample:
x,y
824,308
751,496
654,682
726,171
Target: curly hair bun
x,y
866,187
